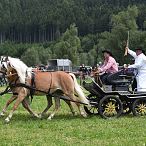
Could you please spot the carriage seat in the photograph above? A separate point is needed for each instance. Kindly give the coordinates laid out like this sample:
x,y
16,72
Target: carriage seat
x,y
120,78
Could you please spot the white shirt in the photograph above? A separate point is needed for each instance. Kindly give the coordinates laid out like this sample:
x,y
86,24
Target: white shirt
x,y
140,61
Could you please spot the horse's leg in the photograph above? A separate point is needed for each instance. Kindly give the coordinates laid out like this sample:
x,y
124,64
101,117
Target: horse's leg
x,y
57,106
49,104
73,97
70,104
82,113
13,97
22,94
27,107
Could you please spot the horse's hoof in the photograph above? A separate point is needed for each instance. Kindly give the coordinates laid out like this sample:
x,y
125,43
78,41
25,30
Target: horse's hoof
x,y
84,115
2,114
36,115
74,113
40,116
49,118
7,120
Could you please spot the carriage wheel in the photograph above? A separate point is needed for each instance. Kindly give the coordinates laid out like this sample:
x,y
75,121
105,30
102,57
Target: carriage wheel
x,y
110,106
139,107
93,110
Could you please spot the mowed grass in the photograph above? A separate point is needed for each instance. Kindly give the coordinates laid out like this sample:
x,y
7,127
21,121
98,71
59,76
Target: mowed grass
x,y
66,130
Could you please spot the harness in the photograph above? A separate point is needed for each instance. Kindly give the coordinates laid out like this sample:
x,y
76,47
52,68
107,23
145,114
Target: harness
x,y
32,85
9,87
50,84
32,88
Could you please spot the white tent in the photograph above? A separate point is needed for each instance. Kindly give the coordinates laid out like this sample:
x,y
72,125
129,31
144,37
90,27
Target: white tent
x,y
60,64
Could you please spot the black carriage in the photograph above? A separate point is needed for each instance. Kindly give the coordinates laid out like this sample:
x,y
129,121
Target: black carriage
x,y
116,99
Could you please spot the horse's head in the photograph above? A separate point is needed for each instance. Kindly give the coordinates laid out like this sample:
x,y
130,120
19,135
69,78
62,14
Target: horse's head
x,y
9,63
6,68
4,64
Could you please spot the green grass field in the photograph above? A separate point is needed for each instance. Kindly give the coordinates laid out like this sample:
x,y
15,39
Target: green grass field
x,y
66,130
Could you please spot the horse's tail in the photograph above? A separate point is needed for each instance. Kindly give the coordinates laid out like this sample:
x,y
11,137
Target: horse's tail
x,y
78,90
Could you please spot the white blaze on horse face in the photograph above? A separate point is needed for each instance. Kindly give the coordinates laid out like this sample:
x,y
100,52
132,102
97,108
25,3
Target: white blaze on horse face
x,y
3,62
3,65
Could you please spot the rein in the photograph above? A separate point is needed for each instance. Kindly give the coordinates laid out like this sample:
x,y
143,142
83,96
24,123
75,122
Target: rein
x,y
3,72
8,89
97,78
26,86
31,88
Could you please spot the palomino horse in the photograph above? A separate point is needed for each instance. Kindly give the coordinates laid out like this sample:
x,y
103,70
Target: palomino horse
x,y
12,78
45,82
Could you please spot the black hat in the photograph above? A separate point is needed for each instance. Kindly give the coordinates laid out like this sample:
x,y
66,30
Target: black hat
x,y
107,51
140,48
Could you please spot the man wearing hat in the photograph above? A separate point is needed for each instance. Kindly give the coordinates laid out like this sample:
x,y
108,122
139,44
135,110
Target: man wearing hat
x,y
140,65
109,67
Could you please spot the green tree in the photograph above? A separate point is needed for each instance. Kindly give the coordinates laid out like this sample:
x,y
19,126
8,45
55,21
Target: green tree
x,y
83,58
116,39
68,45
31,57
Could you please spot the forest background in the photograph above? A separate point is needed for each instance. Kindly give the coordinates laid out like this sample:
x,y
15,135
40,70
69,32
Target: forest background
x,y
38,30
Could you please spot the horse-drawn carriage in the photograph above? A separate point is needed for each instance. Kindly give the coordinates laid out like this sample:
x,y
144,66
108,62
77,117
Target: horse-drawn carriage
x,y
24,82
120,99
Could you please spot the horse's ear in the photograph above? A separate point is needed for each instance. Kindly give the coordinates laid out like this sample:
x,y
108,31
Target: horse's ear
x,y
2,58
6,59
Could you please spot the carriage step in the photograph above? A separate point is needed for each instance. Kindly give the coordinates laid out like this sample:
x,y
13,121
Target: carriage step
x,y
124,92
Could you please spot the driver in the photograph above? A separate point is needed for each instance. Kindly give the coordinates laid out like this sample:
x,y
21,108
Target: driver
x,y
109,67
140,65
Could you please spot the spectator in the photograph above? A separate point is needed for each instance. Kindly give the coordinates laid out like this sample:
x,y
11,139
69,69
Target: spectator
x,y
83,70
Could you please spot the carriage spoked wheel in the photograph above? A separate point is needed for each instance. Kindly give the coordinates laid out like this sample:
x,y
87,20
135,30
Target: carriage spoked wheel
x,y
110,106
93,110
139,107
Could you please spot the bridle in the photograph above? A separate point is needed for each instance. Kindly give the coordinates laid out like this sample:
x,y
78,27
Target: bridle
x,y
2,61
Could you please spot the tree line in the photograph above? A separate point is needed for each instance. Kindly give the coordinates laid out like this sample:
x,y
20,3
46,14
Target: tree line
x,y
34,21
73,29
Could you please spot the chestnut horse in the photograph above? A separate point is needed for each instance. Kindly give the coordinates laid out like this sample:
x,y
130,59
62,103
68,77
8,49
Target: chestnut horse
x,y
48,83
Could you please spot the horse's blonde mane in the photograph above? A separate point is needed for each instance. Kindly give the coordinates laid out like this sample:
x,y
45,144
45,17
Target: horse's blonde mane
x,y
20,67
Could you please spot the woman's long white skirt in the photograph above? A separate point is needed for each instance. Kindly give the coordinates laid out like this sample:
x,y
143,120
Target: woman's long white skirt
x,y
141,82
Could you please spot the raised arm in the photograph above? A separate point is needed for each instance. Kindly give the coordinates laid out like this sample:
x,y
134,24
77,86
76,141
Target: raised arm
x,y
132,53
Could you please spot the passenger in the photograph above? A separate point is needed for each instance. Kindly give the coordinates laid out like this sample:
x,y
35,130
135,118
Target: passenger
x,y
109,67
83,70
140,65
